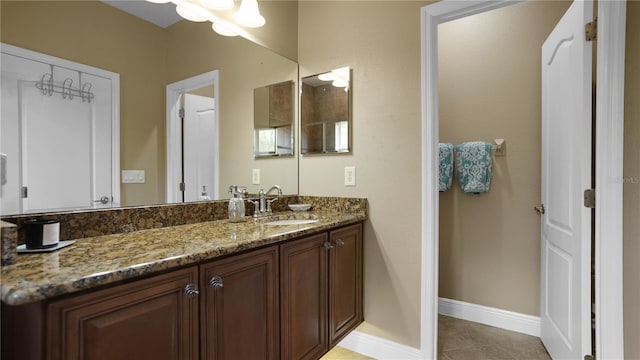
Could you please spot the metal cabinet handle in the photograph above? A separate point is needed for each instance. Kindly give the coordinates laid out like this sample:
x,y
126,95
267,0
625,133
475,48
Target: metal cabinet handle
x,y
191,290
539,209
327,245
216,282
339,242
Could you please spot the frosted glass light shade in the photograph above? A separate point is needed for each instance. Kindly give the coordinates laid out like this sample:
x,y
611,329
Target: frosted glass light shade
x,y
189,14
218,4
249,14
158,1
221,29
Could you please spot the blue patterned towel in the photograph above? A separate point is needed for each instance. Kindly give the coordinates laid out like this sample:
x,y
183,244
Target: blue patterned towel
x,y
473,166
446,166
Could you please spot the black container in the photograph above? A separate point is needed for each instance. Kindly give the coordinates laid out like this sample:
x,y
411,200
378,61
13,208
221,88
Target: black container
x,y
41,234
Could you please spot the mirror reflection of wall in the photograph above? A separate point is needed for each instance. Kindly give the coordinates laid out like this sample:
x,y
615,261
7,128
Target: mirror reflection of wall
x,y
148,57
325,117
274,119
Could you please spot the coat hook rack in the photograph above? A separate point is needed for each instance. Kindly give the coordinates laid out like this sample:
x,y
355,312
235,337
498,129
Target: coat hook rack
x,y
48,87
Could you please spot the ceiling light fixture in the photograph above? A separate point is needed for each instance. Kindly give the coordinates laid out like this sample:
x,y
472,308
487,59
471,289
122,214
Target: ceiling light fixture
x,y
222,29
191,14
218,4
338,77
247,15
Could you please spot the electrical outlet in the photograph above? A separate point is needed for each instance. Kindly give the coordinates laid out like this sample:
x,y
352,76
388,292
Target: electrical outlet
x,y
255,178
349,176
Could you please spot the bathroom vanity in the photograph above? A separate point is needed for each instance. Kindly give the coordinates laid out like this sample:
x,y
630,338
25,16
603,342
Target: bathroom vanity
x,y
210,290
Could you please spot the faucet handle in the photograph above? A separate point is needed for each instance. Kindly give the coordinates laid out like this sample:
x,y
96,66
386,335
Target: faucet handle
x,y
269,201
256,207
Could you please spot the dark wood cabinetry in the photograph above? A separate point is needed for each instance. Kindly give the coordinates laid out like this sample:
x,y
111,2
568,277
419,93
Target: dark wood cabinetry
x,y
321,291
148,319
292,300
304,280
240,307
345,282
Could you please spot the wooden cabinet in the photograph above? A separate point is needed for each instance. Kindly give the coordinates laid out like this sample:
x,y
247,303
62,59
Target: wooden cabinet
x,y
147,319
304,281
321,291
239,310
293,300
345,282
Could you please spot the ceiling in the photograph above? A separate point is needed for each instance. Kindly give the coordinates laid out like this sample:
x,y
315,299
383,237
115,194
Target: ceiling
x,y
163,15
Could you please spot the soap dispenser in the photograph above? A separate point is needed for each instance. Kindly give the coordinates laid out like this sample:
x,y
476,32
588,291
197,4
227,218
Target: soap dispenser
x,y
204,195
236,203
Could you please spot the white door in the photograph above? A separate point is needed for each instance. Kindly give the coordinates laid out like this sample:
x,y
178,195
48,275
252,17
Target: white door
x,y
58,146
566,172
200,147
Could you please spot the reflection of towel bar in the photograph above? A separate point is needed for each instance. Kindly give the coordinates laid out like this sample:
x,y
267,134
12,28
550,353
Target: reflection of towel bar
x,y
499,147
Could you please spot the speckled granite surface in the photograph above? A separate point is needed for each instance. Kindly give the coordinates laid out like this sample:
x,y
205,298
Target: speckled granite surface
x,y
105,259
88,223
9,242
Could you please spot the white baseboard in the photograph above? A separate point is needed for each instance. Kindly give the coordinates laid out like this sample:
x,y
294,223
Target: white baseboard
x,y
504,319
378,348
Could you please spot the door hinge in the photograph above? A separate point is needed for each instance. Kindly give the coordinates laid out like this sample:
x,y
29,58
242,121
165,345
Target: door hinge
x,y
591,30
24,192
181,113
183,186
590,198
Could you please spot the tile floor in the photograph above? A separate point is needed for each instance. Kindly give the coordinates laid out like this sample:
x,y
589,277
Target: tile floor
x,y
461,340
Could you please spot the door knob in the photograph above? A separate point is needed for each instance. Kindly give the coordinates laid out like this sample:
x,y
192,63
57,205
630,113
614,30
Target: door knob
x,y
539,209
103,200
327,245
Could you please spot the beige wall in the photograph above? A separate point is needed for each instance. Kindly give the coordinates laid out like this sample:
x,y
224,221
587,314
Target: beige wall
x,y
383,48
631,189
490,88
134,48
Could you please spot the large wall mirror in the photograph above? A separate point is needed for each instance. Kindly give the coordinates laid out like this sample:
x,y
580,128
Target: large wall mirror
x,y
274,119
148,58
325,113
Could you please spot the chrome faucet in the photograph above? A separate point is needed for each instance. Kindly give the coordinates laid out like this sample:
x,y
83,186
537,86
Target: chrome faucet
x,y
264,205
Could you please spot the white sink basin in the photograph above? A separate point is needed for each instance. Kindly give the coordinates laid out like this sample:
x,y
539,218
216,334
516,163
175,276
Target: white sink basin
x,y
291,222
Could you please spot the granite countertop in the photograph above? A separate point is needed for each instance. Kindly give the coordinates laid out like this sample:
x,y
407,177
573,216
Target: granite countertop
x,y
100,260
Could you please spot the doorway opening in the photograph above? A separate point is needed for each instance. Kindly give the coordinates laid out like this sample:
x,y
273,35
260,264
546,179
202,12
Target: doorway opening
x,y
610,79
192,139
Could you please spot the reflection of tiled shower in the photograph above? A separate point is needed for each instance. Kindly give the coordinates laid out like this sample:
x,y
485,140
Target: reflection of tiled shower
x,y
325,112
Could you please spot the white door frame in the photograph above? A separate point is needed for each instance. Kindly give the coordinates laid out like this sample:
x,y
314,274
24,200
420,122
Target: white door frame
x,y
609,157
173,129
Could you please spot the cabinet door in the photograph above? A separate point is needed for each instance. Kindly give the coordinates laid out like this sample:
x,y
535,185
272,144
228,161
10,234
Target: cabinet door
x,y
303,269
345,281
146,319
240,308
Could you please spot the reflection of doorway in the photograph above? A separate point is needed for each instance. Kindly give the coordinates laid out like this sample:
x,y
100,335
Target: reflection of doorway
x,y
609,104
199,147
192,139
60,134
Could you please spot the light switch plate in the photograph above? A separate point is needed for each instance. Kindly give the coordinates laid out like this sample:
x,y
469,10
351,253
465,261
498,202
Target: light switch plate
x,y
255,177
133,176
349,176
